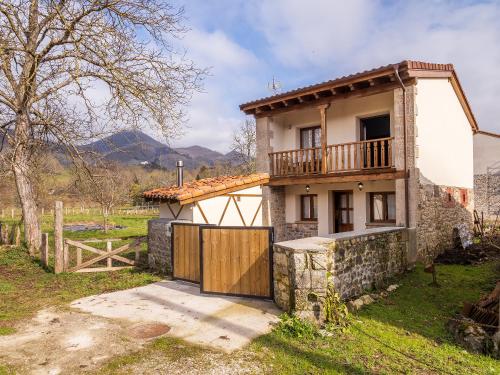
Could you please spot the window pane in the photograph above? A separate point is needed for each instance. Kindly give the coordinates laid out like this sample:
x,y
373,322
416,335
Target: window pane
x,y
317,137
343,201
391,206
306,138
344,218
306,207
377,207
315,207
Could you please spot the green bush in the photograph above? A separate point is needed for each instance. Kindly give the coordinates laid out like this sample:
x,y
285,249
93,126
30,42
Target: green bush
x,y
336,313
293,326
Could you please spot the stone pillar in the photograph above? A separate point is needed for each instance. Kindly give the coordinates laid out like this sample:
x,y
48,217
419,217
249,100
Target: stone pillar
x,y
273,210
159,246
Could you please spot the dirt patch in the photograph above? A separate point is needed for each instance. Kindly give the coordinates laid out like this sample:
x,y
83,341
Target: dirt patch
x,y
56,342
474,254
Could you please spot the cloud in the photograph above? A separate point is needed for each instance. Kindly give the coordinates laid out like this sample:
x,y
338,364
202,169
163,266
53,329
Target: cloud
x,y
213,114
339,38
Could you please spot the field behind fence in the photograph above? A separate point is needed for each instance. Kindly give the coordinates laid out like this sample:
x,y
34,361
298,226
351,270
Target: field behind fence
x,y
16,212
127,226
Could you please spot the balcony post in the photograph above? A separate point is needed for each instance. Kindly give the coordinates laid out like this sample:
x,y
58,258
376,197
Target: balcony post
x,y
322,110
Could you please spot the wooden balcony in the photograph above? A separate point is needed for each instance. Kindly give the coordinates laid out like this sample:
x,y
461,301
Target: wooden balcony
x,y
355,158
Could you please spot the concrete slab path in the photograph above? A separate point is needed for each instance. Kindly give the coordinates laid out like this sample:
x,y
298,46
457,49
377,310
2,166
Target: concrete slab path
x,y
226,323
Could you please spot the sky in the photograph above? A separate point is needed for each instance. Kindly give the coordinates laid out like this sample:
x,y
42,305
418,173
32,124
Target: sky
x,y
300,42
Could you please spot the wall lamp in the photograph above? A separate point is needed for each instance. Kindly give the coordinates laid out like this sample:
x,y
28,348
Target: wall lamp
x,y
308,189
360,186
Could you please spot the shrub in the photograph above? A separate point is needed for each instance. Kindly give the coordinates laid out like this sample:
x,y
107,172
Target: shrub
x,y
293,326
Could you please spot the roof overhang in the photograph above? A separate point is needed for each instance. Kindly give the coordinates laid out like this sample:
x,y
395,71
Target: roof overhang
x,y
360,84
198,191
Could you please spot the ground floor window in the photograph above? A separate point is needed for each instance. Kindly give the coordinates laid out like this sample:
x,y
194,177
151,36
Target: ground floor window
x,y
383,207
309,207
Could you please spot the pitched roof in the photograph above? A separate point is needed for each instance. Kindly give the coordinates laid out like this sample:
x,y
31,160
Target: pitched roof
x,y
379,78
206,188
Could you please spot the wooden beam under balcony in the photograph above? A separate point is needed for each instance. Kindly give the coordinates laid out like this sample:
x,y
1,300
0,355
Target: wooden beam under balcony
x,y
354,176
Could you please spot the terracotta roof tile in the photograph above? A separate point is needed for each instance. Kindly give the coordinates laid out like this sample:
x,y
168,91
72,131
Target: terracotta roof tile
x,y
199,189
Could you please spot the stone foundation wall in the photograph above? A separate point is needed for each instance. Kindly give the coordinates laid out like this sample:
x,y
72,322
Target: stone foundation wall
x,y
439,210
294,231
487,194
159,255
355,263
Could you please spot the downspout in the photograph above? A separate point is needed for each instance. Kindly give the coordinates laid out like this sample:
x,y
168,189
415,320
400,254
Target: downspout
x,y
407,214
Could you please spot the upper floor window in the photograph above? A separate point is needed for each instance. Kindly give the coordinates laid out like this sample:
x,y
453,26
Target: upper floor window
x,y
375,127
310,137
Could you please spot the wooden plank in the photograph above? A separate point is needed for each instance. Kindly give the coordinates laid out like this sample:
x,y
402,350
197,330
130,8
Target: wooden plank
x,y
244,261
235,263
256,213
225,260
102,269
202,213
239,212
99,258
207,254
354,176
82,246
375,154
214,264
44,256
253,250
264,264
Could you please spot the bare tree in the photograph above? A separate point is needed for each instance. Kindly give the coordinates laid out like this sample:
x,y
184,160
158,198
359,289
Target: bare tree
x,y
73,70
108,186
244,143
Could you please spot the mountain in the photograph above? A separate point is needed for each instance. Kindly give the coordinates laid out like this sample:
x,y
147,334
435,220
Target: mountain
x,y
135,147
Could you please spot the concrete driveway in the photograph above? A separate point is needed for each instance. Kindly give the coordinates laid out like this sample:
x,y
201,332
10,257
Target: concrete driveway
x,y
226,323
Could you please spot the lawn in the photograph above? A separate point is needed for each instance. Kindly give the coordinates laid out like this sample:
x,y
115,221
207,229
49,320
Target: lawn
x,y
25,287
404,333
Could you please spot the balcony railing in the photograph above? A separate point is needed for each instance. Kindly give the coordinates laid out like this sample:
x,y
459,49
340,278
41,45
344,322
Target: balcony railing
x,y
345,157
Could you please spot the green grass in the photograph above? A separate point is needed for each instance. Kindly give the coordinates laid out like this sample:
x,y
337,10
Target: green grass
x,y
404,333
25,287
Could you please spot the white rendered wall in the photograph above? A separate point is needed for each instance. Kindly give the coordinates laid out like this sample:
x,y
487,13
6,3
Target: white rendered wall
x,y
325,204
443,135
342,120
214,207
486,152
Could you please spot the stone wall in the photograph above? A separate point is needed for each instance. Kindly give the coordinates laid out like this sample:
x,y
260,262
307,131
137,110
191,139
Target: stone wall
x,y
159,255
294,231
487,194
355,262
439,210
273,210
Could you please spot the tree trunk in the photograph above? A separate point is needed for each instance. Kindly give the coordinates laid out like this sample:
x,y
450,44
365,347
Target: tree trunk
x,y
25,188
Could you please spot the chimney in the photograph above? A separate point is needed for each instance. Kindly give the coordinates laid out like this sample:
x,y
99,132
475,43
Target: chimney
x,y
180,173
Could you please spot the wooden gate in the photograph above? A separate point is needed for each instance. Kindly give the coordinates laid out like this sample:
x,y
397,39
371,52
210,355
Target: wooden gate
x,y
237,261
185,250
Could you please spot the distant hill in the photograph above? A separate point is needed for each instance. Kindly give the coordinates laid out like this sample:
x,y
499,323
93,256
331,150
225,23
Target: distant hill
x,y
135,147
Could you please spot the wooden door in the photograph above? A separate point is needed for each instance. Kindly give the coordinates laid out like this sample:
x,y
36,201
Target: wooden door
x,y
344,210
186,252
237,261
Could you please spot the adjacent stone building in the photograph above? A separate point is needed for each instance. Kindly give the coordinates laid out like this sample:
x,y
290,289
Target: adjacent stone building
x,y
487,174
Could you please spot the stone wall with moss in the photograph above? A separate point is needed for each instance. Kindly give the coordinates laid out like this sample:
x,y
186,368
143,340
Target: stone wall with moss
x,y
439,210
356,263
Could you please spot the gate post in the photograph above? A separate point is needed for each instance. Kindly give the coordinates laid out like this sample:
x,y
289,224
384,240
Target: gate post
x,y
58,238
